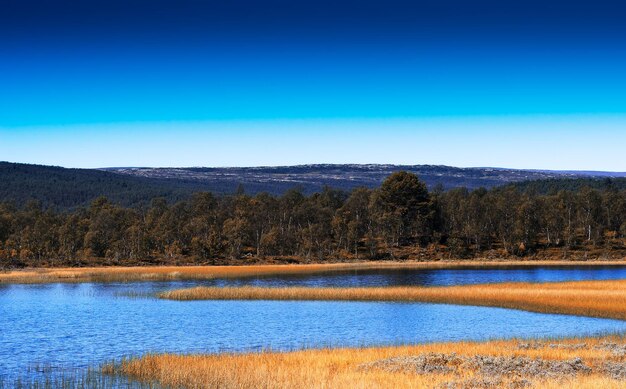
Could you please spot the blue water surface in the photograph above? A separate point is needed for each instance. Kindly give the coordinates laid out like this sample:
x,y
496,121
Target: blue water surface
x,y
85,324
434,277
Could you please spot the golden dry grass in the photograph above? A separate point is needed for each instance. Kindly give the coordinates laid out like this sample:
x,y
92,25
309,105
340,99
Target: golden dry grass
x,y
588,298
155,273
141,273
358,367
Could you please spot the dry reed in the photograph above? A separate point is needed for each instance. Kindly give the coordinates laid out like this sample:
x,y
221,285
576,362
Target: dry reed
x,y
573,363
605,299
165,273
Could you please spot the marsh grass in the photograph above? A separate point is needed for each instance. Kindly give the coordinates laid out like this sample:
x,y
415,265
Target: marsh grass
x,y
168,273
52,377
606,299
573,363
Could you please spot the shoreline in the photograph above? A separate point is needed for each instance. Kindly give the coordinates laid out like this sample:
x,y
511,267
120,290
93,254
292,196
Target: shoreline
x,y
580,362
168,273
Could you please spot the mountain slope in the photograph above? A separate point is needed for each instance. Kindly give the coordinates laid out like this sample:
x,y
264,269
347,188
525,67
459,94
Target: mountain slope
x,y
312,178
70,188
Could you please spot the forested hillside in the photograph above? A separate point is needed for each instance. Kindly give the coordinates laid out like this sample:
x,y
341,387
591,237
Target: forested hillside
x,y
553,185
67,189
399,219
313,178
63,188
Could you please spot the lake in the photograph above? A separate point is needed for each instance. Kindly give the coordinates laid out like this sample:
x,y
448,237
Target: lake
x,y
435,277
81,325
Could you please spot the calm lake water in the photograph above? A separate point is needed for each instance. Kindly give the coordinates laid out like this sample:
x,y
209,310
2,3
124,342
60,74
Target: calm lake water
x,y
438,277
82,325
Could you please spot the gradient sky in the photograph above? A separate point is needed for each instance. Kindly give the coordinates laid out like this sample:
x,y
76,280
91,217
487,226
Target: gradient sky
x,y
526,84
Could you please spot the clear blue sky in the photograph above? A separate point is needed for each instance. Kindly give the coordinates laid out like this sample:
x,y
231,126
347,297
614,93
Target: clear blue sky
x,y
189,83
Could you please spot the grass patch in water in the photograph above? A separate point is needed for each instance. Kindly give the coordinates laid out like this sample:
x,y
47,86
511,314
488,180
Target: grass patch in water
x,y
606,299
53,377
167,273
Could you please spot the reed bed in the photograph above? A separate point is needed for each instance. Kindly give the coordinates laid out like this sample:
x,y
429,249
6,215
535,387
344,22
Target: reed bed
x,y
573,363
166,273
49,377
606,299
156,273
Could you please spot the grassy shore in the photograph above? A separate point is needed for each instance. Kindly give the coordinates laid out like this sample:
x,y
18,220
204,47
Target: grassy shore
x,y
572,363
588,298
165,273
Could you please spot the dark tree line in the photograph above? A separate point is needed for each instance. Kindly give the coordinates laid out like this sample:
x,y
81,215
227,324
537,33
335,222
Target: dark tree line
x,y
391,221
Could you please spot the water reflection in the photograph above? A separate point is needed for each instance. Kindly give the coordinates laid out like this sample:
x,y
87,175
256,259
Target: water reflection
x,y
436,277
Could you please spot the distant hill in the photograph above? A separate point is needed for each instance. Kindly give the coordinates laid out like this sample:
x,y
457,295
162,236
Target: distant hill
x,y
312,178
70,188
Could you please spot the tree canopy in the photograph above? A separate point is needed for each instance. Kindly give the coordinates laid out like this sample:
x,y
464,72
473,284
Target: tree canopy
x,y
400,219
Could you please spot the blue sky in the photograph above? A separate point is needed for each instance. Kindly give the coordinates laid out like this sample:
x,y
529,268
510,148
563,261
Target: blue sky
x,y
580,142
200,83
